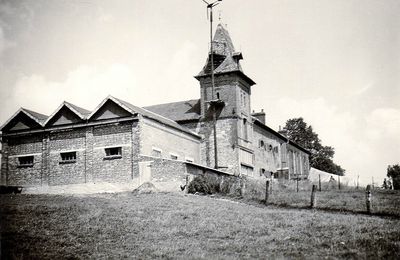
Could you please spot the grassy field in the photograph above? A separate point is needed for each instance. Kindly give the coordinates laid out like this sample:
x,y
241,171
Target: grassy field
x,y
384,202
166,225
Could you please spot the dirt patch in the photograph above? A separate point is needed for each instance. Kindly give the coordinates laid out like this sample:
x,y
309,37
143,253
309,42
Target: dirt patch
x,y
145,188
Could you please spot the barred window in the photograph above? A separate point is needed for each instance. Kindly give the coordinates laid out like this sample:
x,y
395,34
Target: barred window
x,y
68,157
25,161
113,152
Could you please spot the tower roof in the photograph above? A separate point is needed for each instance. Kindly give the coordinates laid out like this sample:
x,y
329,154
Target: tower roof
x,y
225,58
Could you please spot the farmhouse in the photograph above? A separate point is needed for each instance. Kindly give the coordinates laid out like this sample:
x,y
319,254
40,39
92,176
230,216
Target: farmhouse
x,y
120,142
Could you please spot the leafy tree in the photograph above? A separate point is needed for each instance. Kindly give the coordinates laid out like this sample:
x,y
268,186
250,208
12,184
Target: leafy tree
x,y
321,156
387,185
393,172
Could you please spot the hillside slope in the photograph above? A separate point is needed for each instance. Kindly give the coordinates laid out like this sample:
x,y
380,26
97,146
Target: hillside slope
x,y
184,226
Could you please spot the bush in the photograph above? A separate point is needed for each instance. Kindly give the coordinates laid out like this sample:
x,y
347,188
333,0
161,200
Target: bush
x,y
199,184
211,184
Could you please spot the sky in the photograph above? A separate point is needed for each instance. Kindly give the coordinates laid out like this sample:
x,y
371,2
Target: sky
x,y
336,63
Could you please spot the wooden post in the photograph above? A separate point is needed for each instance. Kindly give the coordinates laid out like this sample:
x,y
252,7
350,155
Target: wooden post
x,y
271,183
314,188
368,198
339,182
319,181
358,176
266,191
297,182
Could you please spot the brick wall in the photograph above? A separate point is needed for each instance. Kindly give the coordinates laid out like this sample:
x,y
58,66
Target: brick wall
x,y
66,141
24,146
115,168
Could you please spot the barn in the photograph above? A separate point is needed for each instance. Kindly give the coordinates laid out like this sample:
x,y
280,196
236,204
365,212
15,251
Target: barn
x,y
121,142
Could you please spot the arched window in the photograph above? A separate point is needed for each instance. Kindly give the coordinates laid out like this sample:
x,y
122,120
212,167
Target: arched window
x,y
245,136
217,95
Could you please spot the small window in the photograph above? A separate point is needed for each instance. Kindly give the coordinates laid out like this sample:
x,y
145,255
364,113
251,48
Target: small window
x,y
217,95
262,171
113,152
156,152
262,144
245,137
189,159
25,161
69,157
174,156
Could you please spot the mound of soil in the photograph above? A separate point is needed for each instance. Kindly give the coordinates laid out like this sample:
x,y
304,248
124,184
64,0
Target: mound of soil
x,y
145,188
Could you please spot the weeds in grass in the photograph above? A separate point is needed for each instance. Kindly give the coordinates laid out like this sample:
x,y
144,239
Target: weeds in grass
x,y
162,225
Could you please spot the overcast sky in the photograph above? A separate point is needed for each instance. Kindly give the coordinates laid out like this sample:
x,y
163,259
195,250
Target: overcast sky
x,y
336,63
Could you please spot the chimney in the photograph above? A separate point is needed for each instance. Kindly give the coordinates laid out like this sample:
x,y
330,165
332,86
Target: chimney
x,y
282,131
259,115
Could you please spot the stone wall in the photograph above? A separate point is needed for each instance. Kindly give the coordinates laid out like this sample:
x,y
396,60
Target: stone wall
x,y
166,174
228,157
267,152
298,162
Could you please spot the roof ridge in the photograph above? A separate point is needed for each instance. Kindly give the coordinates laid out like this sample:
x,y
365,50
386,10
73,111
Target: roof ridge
x,y
155,115
168,103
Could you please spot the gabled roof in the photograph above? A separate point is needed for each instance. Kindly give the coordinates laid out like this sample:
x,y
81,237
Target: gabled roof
x,y
134,110
80,112
178,111
226,60
40,119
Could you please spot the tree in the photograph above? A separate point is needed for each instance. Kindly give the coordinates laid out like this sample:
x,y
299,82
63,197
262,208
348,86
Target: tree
x,y
321,156
393,172
387,185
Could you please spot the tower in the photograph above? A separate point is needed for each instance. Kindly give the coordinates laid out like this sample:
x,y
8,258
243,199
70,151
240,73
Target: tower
x,y
232,106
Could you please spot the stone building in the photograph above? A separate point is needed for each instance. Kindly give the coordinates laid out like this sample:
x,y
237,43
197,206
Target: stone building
x,y
120,142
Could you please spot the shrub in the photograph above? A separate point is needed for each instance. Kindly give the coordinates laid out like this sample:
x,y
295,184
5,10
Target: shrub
x,y
199,184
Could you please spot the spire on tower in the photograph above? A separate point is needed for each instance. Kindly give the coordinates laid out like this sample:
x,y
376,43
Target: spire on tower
x,y
226,59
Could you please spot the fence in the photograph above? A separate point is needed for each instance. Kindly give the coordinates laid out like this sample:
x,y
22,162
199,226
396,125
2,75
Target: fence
x,y
306,194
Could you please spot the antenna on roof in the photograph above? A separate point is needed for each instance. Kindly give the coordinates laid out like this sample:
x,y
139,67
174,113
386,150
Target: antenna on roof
x,y
210,8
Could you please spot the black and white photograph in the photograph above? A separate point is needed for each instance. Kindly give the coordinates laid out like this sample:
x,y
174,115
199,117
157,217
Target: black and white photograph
x,y
200,129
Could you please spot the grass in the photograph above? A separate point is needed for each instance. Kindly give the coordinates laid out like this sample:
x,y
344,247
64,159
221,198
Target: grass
x,y
384,202
166,225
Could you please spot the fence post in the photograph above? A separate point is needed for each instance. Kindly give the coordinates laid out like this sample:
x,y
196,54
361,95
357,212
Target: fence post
x,y
297,182
339,182
272,184
314,188
368,198
319,181
266,191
